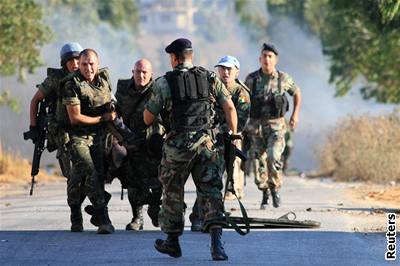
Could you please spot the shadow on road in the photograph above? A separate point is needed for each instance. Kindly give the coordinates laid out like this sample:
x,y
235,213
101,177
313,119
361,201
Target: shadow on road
x,y
136,248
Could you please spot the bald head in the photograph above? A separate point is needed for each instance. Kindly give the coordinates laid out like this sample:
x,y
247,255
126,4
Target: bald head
x,y
142,72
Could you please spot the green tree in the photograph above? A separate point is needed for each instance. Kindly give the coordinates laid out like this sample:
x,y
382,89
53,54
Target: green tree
x,y
22,35
23,32
361,39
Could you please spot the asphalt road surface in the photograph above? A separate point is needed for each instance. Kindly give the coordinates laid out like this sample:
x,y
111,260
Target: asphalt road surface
x,y
34,230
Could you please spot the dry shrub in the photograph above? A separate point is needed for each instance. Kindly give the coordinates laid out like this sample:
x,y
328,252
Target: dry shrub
x,y
15,169
365,148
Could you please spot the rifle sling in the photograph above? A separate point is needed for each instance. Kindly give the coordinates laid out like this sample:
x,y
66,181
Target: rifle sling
x,y
244,219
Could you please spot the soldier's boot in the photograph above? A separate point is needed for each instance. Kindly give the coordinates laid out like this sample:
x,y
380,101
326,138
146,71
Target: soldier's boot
x,y
169,246
197,223
276,199
89,209
153,211
265,200
105,226
217,250
137,221
76,218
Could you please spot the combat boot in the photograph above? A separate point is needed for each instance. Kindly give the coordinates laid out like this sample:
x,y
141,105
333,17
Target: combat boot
x,y
169,246
217,250
89,209
105,226
76,218
137,221
265,200
276,200
153,211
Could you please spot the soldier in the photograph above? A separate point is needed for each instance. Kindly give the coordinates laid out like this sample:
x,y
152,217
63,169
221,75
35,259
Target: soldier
x,y
228,71
269,104
86,93
50,90
189,93
142,175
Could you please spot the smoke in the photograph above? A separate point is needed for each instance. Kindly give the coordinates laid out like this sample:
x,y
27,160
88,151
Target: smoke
x,y
216,32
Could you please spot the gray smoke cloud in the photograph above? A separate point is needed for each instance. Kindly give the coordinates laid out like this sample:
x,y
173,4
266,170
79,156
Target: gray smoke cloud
x,y
215,32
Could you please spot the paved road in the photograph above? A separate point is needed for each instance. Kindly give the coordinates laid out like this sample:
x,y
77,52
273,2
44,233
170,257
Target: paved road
x,y
35,231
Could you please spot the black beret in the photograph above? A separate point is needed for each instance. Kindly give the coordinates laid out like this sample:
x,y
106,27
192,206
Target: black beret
x,y
178,46
269,47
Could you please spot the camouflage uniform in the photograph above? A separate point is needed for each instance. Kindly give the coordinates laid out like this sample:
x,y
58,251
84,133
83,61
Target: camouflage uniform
x,y
254,149
87,142
188,152
241,100
142,168
263,87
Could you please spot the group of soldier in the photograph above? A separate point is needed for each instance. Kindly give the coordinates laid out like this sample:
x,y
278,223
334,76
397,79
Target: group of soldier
x,y
162,131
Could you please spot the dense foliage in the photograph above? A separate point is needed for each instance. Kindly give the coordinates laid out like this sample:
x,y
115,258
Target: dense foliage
x,y
22,35
361,38
23,31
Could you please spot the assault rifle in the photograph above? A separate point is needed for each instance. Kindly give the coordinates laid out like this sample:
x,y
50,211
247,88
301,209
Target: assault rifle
x,y
230,154
38,135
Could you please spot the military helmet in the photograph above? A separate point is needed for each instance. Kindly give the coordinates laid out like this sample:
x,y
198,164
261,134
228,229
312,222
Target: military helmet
x,y
70,50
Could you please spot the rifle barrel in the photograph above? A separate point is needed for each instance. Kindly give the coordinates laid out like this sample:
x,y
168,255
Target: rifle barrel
x,y
32,184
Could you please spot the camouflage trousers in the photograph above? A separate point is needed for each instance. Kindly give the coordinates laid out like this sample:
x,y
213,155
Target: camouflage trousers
x,y
238,175
87,172
176,165
238,181
269,160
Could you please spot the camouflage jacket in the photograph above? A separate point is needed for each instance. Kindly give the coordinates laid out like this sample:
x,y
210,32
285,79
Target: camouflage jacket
x,y
91,97
160,100
263,86
241,99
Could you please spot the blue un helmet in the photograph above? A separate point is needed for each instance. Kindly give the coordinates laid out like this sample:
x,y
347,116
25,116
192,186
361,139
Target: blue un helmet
x,y
70,50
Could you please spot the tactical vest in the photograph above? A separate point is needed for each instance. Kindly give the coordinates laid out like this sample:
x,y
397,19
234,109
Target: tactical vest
x,y
131,103
278,104
192,109
53,100
94,97
55,107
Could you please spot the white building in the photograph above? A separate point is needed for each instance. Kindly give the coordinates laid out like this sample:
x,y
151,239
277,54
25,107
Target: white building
x,y
165,16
